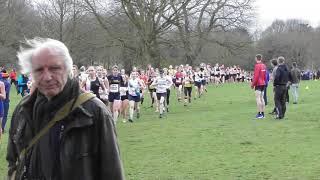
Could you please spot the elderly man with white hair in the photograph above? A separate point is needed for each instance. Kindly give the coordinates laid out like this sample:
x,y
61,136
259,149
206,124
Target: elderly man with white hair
x,y
59,132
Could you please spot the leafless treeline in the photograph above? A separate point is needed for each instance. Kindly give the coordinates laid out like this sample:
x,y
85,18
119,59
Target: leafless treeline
x,y
161,32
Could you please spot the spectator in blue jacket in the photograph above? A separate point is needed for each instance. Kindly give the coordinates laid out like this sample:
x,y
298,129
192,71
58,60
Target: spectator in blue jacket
x,y
22,85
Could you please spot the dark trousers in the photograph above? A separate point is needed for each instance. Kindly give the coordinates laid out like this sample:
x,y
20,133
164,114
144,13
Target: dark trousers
x,y
265,95
168,97
5,113
287,94
280,99
187,91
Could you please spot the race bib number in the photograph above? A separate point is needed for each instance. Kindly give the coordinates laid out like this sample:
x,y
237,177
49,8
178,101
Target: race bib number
x,y
123,91
178,81
114,88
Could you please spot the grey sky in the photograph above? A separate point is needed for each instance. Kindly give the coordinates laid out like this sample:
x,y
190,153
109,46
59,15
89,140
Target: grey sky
x,y
269,10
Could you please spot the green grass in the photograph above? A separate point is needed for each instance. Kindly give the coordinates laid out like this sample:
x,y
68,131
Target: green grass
x,y
217,137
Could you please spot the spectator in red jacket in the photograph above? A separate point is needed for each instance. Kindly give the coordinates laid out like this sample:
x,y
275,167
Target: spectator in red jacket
x,y
258,83
13,77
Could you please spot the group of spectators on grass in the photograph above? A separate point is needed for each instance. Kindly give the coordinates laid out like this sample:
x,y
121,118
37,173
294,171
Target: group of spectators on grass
x,y
283,79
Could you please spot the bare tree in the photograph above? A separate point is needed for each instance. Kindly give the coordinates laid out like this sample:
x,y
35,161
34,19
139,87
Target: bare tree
x,y
152,19
292,39
199,19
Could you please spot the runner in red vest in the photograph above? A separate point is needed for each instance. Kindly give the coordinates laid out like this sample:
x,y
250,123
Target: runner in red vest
x,y
258,83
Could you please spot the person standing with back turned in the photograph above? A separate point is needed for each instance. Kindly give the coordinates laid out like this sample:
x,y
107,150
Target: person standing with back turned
x,y
258,83
280,84
59,132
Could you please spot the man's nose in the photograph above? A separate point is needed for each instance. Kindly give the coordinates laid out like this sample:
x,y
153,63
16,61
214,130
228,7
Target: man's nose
x,y
47,75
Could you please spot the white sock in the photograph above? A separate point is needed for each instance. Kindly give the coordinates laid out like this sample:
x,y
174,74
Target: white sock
x,y
115,116
131,111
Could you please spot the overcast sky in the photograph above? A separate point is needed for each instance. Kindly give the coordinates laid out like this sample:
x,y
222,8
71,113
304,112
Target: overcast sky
x,y
269,10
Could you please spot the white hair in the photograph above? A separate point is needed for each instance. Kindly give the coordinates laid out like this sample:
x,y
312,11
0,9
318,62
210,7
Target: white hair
x,y
38,44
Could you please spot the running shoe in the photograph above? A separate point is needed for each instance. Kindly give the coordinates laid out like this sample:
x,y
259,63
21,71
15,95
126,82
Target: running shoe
x,y
160,116
130,120
259,116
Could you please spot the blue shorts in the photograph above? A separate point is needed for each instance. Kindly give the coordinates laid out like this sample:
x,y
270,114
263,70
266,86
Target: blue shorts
x,y
1,109
198,84
114,96
134,98
125,96
159,95
203,82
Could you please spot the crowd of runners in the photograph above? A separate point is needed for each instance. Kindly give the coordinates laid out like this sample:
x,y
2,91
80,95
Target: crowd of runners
x,y
124,92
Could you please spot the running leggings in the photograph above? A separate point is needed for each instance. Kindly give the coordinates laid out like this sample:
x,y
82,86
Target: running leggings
x,y
187,91
168,96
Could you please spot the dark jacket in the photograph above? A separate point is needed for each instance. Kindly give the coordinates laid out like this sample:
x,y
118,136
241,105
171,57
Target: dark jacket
x,y
295,75
88,144
282,75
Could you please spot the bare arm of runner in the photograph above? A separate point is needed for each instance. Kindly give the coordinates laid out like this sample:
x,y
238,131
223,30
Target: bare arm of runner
x,y
2,91
106,83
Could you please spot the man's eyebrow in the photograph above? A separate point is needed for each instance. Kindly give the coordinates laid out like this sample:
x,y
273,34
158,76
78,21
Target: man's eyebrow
x,y
38,68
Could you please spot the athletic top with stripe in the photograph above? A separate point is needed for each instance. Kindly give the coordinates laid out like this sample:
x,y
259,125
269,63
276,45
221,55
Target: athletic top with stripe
x,y
114,83
162,84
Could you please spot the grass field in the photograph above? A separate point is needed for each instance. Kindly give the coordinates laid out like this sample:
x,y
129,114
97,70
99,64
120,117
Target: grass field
x,y
217,137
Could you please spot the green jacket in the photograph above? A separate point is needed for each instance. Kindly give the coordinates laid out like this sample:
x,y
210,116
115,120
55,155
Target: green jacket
x,y
88,144
295,75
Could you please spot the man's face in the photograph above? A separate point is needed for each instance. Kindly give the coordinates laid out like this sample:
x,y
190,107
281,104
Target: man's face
x,y
49,73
